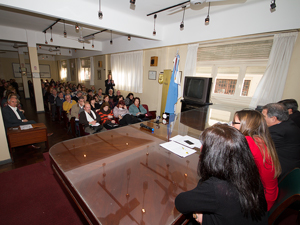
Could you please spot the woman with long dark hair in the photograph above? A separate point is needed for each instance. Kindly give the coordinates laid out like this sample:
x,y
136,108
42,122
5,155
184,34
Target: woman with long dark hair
x,y
252,124
230,190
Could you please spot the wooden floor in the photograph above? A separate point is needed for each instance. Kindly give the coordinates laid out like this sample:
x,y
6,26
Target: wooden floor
x,y
25,156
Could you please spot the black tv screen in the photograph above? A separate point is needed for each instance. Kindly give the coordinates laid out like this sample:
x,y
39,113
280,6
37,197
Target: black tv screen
x,y
197,89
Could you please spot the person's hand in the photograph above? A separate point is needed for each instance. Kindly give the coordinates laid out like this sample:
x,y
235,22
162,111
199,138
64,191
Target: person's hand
x,y
23,111
113,121
110,117
120,117
112,81
138,113
25,120
97,110
93,122
198,217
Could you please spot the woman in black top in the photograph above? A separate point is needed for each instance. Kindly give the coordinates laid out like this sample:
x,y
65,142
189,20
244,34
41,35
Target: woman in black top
x,y
109,84
230,190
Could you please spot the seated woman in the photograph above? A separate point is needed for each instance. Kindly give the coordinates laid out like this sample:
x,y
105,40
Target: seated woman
x,y
136,109
120,98
106,99
129,99
252,124
107,117
121,112
95,106
230,190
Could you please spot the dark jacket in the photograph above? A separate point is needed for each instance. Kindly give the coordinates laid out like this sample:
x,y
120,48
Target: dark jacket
x,y
83,119
296,118
10,119
286,137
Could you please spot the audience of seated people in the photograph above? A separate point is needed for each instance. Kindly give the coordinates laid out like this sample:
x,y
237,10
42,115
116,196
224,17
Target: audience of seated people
x,y
122,113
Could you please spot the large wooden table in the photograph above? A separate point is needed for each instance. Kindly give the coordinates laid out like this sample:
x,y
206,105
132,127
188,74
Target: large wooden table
x,y
17,137
123,176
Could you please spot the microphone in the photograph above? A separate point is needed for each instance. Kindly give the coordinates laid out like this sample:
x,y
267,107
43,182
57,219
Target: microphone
x,y
145,126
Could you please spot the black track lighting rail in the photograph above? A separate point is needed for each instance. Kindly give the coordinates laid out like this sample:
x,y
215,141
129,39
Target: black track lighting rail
x,y
173,6
95,33
44,31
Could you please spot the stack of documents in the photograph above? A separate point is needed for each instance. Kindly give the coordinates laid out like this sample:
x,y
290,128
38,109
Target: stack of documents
x,y
26,127
181,145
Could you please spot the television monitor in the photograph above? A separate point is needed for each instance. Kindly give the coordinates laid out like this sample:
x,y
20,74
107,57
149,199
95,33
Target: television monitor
x,y
197,90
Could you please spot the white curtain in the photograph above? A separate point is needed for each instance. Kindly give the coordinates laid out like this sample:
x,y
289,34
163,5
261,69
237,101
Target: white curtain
x,y
270,88
68,70
92,80
190,65
79,71
127,71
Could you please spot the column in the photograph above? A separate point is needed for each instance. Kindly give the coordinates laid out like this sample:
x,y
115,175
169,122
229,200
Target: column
x,y
35,71
24,72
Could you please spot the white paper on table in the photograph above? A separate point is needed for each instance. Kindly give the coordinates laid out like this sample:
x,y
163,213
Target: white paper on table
x,y
96,125
26,127
182,140
178,149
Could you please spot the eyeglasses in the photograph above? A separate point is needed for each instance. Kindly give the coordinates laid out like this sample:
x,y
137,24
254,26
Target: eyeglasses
x,y
235,123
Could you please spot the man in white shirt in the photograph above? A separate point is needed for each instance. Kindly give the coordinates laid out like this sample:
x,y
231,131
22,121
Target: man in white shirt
x,y
12,116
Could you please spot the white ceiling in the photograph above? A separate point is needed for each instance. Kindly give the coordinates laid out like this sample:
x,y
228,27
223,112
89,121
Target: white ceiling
x,y
14,14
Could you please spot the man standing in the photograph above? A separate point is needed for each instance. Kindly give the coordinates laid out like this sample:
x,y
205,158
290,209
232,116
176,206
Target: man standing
x,y
285,134
52,99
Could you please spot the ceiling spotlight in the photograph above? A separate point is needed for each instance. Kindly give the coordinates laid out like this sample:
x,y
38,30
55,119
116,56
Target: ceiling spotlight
x,y
75,50
273,5
70,51
207,18
65,32
93,43
182,22
129,37
132,2
100,14
83,46
77,28
40,46
154,31
111,42
51,35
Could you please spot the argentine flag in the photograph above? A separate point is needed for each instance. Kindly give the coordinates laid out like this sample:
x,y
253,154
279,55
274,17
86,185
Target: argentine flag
x,y
173,88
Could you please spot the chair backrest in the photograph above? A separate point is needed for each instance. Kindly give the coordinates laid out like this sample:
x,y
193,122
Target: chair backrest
x,y
289,192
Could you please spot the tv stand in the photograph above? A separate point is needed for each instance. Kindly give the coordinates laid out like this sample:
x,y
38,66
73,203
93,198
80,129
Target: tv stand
x,y
186,105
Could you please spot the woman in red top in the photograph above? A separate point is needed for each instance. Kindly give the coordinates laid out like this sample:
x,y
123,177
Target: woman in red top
x,y
253,125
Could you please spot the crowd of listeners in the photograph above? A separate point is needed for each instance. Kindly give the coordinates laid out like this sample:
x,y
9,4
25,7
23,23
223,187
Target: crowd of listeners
x,y
246,159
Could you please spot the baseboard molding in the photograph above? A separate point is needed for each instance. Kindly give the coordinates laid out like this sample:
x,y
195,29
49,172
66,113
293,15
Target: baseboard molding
x,y
5,161
40,111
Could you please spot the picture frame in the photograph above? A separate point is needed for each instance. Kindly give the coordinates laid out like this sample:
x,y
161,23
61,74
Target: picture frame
x,y
152,75
99,75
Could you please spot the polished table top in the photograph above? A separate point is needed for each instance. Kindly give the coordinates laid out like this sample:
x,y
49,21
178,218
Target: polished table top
x,y
125,177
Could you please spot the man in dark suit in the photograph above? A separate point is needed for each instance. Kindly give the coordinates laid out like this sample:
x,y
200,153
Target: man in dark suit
x,y
285,134
292,106
12,116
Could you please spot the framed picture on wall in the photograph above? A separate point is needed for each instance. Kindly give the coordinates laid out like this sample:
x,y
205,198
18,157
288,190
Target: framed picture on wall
x,y
99,75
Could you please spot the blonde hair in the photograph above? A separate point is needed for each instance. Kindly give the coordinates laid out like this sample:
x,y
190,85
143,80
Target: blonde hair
x,y
253,124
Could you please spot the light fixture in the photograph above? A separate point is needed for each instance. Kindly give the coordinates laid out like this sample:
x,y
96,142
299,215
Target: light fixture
x,y
40,46
83,46
70,51
46,42
100,14
75,50
132,2
207,18
93,42
182,22
111,42
65,32
51,39
273,5
129,37
154,31
77,28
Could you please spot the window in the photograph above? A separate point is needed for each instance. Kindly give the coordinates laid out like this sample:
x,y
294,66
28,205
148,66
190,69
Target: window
x,y
63,70
85,71
236,69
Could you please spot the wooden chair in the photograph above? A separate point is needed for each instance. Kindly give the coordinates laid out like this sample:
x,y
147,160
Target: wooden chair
x,y
289,195
72,126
